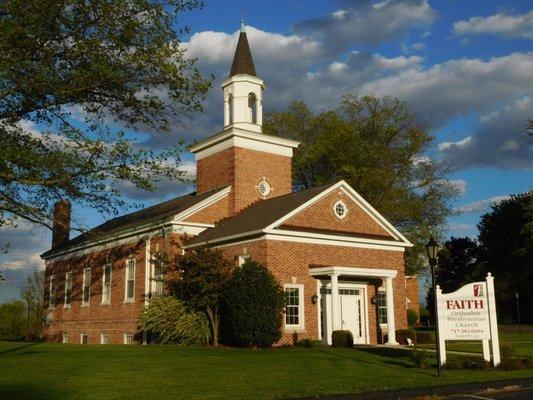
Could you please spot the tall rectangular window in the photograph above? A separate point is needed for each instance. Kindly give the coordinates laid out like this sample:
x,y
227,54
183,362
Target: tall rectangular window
x,y
128,338
104,338
52,300
65,337
84,339
130,280
86,295
294,316
68,289
106,284
158,279
382,307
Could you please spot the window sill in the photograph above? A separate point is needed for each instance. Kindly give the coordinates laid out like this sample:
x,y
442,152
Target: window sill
x,y
67,306
85,305
105,303
129,301
294,328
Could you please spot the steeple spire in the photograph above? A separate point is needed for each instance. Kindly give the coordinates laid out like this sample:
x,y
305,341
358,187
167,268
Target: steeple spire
x,y
243,62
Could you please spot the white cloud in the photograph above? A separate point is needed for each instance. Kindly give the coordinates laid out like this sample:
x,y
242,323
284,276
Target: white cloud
x,y
459,185
460,143
366,22
505,25
481,205
460,228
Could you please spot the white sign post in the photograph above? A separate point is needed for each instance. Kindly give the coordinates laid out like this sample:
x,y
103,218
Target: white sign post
x,y
469,314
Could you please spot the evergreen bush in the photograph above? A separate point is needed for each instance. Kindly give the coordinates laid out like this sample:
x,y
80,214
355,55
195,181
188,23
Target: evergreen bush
x,y
342,339
412,317
252,307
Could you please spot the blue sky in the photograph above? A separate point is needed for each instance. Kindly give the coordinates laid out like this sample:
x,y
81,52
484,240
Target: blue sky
x,y
466,69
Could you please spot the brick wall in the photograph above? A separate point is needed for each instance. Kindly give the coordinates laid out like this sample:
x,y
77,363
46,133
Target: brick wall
x,y
212,213
411,291
114,319
244,169
320,216
289,262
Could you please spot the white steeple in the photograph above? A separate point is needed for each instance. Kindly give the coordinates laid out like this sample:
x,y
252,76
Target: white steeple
x,y
243,91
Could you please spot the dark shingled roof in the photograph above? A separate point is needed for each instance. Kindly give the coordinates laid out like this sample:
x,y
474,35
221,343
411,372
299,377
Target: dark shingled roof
x,y
243,62
150,214
259,215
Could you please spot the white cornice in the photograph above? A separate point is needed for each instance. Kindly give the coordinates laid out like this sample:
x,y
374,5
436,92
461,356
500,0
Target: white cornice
x,y
353,271
243,78
236,137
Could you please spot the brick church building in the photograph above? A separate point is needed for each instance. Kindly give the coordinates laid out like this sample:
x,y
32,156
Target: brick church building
x,y
339,261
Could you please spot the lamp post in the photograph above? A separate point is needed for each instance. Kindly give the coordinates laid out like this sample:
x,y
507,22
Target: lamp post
x,y
432,248
518,313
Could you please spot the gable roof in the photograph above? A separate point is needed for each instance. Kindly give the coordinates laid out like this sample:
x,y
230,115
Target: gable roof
x,y
243,62
267,216
147,215
259,215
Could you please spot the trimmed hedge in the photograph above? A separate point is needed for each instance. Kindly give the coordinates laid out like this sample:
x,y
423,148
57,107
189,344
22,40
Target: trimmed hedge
x,y
342,339
403,334
424,337
252,307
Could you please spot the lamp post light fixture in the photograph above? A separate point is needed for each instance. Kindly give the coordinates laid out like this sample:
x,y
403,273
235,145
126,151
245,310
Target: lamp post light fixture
x,y
432,248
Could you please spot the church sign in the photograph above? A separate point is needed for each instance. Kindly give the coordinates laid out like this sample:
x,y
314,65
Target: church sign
x,y
469,314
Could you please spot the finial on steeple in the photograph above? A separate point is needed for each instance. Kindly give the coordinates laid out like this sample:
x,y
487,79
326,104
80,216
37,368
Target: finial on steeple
x,y
243,28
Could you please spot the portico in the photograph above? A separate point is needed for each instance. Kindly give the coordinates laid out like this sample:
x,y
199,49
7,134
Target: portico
x,y
343,297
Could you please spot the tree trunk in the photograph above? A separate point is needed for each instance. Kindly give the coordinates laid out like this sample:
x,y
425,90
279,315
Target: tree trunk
x,y
214,322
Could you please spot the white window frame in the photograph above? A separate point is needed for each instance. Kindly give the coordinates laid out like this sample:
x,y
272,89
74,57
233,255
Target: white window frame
x,y
102,336
108,301
126,336
130,299
84,281
65,338
81,338
243,258
68,285
301,308
382,292
52,292
340,202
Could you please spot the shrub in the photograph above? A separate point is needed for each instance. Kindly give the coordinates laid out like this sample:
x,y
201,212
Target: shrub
x,y
424,337
412,317
169,321
419,358
342,339
310,343
403,334
253,304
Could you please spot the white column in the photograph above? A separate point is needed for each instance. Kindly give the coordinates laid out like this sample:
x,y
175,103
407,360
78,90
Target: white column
x,y
495,340
226,112
391,327
260,111
147,269
440,326
335,307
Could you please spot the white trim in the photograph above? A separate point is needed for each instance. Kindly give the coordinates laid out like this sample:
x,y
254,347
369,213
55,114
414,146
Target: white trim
x,y
88,302
301,308
106,302
130,299
238,137
69,304
242,258
242,78
102,335
53,285
65,338
81,338
126,335
147,271
354,271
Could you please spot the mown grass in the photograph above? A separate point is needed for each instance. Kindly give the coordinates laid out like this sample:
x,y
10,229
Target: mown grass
x,y
53,371
521,342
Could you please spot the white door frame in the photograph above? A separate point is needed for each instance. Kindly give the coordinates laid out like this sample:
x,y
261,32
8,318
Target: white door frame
x,y
326,284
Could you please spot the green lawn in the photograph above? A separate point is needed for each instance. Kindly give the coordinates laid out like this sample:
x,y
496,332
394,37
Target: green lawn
x,y
54,371
521,342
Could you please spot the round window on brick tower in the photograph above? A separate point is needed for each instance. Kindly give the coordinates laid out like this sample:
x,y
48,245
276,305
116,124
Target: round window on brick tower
x,y
263,188
340,209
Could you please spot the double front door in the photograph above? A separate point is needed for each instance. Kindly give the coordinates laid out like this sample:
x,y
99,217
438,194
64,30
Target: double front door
x,y
352,312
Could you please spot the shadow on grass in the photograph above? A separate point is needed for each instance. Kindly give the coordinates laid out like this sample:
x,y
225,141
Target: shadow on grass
x,y
27,391
14,349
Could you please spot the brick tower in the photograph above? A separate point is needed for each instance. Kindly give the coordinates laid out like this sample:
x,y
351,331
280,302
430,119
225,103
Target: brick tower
x,y
257,166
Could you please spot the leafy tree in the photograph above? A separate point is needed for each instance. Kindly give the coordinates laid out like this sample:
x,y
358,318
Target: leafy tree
x,y
169,321
456,264
506,251
74,75
33,295
201,277
253,307
11,319
378,147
